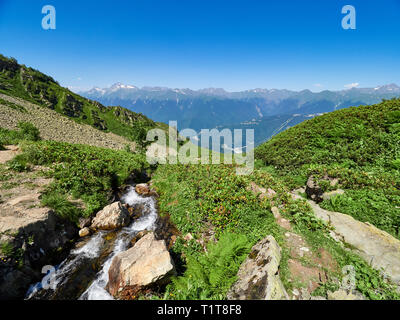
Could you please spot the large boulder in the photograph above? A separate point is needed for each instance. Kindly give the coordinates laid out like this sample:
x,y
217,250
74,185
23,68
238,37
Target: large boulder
x,y
258,276
37,237
113,216
313,189
147,263
380,249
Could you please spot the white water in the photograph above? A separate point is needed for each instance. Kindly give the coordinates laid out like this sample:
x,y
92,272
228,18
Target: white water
x,y
92,249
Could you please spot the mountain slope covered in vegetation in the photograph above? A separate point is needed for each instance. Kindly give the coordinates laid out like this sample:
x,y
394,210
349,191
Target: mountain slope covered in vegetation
x,y
29,84
360,146
217,216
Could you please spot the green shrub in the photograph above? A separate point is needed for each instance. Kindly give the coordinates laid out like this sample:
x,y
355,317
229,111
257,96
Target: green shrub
x,y
85,172
29,131
9,136
18,163
375,206
357,136
209,276
61,206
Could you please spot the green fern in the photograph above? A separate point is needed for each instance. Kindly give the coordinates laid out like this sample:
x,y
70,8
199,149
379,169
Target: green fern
x,y
209,276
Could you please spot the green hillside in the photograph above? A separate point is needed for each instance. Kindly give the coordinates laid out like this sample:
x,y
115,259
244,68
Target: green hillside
x,y
355,137
359,146
29,84
215,215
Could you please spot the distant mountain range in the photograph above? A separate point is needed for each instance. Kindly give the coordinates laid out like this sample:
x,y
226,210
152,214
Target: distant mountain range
x,y
215,107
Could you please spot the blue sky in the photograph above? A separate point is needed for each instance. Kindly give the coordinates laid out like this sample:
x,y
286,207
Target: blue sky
x,y
233,44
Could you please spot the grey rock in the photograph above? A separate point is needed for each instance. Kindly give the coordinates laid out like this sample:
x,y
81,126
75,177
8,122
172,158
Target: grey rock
x,y
258,276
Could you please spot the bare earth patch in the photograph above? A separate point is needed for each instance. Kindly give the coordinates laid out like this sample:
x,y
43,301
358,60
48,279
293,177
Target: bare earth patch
x,y
10,153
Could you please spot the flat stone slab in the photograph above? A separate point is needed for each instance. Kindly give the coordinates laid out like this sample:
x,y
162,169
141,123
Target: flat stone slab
x,y
380,249
258,276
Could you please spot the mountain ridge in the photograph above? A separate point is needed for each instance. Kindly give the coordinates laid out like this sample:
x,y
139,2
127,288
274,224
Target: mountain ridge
x,y
385,88
216,107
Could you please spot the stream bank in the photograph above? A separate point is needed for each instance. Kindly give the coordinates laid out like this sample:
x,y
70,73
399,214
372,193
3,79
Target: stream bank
x,y
84,274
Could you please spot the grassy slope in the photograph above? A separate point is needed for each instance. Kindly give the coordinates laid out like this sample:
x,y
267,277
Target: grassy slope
x,y
27,83
360,146
354,137
210,199
79,171
206,200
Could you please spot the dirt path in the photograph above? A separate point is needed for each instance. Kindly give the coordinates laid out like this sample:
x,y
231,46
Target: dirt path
x,y
8,154
306,266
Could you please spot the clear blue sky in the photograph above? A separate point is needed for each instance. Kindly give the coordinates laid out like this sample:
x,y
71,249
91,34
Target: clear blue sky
x,y
194,44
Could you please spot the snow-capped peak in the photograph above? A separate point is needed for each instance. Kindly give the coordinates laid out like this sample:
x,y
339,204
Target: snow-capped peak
x,y
119,85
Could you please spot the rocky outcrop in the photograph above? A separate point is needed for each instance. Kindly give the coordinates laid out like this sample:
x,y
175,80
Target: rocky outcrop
x,y
258,276
147,263
377,247
31,235
84,232
72,106
113,216
313,190
35,237
316,193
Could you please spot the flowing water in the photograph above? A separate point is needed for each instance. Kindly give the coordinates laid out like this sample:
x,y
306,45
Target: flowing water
x,y
84,274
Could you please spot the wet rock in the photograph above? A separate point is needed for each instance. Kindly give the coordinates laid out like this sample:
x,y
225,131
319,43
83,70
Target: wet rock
x,y
136,211
142,189
138,236
113,216
84,232
14,282
166,230
84,222
147,263
258,276
42,239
